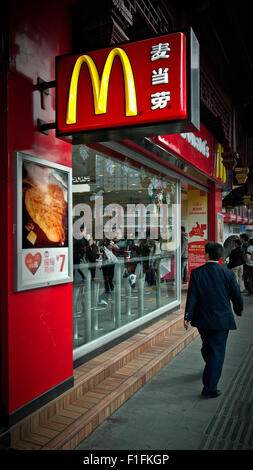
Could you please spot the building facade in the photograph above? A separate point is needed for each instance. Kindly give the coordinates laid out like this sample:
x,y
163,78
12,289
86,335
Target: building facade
x,y
48,327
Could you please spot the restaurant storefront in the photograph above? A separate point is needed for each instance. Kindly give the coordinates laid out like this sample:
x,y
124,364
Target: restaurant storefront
x,y
129,249
129,193
132,202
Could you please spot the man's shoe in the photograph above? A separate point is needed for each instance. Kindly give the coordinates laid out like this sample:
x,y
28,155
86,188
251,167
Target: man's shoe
x,y
211,394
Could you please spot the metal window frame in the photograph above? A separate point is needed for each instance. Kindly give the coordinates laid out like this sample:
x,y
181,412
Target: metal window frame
x,y
103,340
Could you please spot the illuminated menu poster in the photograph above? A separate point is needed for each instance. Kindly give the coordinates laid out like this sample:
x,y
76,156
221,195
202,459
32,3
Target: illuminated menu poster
x,y
43,223
197,227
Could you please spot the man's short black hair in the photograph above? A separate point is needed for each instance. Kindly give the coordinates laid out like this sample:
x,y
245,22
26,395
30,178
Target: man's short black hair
x,y
251,241
182,228
237,241
244,236
214,249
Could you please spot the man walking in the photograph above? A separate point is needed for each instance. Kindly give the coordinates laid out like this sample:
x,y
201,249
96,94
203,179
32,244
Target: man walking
x,y
184,256
209,309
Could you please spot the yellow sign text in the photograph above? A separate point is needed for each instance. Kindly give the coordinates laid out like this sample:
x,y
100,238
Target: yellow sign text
x,y
100,86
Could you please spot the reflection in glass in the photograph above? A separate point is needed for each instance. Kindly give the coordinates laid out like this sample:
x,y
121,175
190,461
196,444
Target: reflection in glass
x,y
124,242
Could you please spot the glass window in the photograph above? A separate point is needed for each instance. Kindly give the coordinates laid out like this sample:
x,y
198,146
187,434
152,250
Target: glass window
x,y
125,243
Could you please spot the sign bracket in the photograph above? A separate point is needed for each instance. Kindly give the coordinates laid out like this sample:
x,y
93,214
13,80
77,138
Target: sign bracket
x,y
44,127
44,86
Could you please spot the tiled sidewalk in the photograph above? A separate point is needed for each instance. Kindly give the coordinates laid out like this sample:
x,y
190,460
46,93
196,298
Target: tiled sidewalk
x,y
101,386
168,414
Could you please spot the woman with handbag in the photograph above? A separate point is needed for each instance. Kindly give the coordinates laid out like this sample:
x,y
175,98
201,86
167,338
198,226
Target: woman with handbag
x,y
109,260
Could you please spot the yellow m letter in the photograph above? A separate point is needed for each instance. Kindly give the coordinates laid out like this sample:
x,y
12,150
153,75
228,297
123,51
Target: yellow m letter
x,y
100,87
220,168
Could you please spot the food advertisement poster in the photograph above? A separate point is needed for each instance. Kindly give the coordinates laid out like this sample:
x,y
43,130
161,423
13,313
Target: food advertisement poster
x,y
197,226
44,239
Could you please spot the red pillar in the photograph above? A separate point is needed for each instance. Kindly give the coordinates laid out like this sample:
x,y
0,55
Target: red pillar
x,y
36,325
215,207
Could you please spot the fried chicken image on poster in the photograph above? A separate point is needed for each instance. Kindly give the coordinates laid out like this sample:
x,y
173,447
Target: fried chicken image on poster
x,y
45,205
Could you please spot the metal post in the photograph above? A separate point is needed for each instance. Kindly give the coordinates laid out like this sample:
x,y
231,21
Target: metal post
x,y
87,304
117,290
95,290
77,308
76,313
158,284
141,281
128,297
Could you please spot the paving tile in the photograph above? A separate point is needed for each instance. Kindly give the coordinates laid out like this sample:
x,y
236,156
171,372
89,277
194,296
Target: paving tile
x,y
167,412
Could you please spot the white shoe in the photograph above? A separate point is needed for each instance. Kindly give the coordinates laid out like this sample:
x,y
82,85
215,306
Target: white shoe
x,y
132,279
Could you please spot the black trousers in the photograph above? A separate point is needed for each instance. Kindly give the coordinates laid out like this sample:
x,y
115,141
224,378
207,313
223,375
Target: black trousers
x,y
184,269
213,352
108,273
249,275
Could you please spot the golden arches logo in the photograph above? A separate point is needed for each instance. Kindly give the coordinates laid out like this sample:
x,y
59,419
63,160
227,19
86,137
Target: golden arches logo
x,y
100,86
220,171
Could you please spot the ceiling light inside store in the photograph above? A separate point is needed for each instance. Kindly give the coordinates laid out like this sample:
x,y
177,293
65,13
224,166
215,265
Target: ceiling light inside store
x,y
80,188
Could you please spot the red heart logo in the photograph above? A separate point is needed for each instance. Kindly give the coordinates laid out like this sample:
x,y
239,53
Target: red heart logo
x,y
33,262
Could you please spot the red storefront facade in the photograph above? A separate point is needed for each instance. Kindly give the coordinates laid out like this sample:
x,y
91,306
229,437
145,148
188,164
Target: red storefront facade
x,y
36,325
36,330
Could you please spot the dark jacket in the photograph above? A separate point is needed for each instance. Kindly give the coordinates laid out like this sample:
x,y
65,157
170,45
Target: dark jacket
x,y
235,258
244,249
91,253
184,245
208,300
79,249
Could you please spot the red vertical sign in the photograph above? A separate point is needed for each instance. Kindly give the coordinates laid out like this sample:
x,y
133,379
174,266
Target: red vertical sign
x,y
197,227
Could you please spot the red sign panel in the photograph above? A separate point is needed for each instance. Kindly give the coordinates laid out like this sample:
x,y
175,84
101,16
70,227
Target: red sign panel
x,y
230,217
195,148
133,85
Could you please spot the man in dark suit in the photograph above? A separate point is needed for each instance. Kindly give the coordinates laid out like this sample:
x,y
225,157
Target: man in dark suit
x,y
208,308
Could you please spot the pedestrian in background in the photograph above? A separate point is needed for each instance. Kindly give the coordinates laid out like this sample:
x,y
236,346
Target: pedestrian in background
x,y
184,256
208,308
249,266
244,239
236,263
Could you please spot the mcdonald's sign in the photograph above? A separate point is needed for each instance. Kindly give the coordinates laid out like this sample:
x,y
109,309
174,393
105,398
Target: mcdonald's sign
x,y
200,149
133,89
220,170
